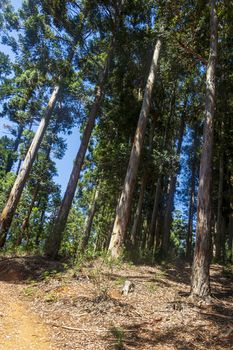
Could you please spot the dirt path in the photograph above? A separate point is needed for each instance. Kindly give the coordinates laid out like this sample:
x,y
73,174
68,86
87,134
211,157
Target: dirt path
x,y
20,328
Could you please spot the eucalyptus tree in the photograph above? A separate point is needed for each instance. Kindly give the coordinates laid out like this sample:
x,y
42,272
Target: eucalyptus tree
x,y
200,284
123,208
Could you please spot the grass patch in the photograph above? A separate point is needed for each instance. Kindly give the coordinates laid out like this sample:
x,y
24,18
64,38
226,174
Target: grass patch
x,y
118,333
30,291
51,297
120,281
152,287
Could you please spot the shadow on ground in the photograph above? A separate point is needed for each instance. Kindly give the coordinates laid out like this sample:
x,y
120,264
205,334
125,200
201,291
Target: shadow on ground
x,y
20,269
139,336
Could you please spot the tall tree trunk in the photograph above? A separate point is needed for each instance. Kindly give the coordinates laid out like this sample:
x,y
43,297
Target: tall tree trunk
x,y
25,222
89,222
171,195
189,236
153,232
138,213
40,230
155,213
10,160
54,240
124,205
18,167
230,230
15,194
200,284
219,233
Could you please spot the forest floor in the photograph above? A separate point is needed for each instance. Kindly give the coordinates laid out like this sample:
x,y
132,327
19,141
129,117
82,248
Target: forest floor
x,y
47,305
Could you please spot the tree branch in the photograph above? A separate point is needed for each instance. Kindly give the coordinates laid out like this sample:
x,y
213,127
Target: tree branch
x,y
192,52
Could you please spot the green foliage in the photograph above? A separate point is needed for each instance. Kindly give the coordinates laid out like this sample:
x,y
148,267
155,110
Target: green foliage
x,y
119,334
178,233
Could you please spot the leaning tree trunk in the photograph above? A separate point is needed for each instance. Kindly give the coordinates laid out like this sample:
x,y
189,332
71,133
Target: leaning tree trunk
x,y
124,205
10,160
54,240
200,284
171,195
17,189
15,194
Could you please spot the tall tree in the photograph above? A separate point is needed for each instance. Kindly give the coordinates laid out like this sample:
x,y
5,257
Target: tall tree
x,y
89,222
124,205
172,189
192,190
200,284
15,194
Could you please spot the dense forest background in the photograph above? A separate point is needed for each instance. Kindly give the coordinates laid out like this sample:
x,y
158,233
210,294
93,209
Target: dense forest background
x,y
150,84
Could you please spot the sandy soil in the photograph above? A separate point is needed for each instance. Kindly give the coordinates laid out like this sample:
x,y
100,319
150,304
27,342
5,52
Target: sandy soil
x,y
20,328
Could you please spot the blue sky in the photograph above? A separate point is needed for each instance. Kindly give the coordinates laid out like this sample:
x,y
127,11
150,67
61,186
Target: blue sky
x,y
64,166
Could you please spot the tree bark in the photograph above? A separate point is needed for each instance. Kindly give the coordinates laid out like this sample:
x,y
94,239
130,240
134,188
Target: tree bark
x,y
171,194
154,234
10,160
25,222
230,230
89,222
155,211
192,198
124,205
219,233
200,284
138,213
40,230
15,194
